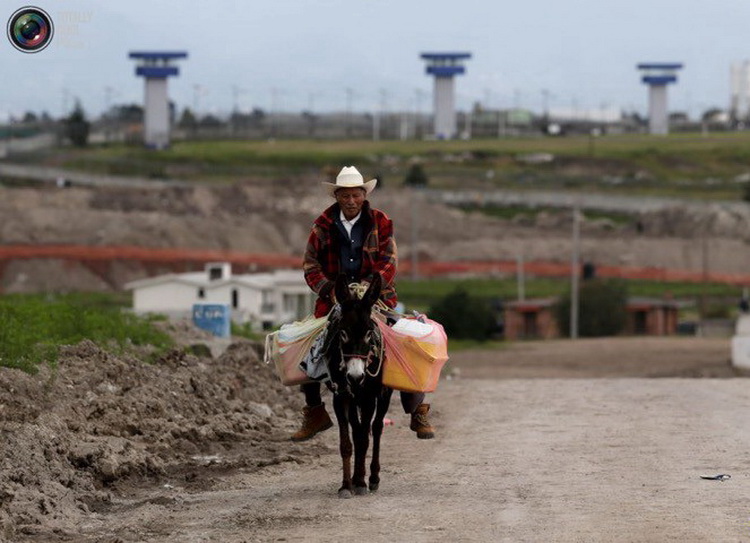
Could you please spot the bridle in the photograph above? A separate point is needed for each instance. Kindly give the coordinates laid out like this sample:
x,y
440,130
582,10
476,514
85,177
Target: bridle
x,y
376,347
367,359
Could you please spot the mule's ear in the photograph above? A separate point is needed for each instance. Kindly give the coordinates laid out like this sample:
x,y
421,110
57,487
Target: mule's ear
x,y
341,289
373,291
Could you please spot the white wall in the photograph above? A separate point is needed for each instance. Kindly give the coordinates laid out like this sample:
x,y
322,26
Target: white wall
x,y
157,113
445,108
658,120
178,298
164,297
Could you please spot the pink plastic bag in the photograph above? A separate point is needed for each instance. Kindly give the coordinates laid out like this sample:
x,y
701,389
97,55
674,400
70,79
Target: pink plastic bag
x,y
414,359
289,345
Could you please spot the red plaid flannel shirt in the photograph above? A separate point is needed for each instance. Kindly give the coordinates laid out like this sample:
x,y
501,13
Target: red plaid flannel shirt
x,y
379,255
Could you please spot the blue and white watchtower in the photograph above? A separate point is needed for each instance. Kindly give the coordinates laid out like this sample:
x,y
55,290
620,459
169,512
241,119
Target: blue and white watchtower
x,y
444,66
156,67
657,76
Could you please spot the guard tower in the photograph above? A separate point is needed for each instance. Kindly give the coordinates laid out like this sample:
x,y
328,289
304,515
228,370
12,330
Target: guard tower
x,y
657,76
444,66
156,67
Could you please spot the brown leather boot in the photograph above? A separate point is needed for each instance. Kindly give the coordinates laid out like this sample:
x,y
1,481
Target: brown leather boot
x,y
420,424
315,420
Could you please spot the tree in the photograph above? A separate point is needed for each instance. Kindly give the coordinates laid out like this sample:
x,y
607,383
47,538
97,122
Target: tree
x,y
77,127
29,118
714,114
416,177
210,121
602,308
128,113
187,119
464,317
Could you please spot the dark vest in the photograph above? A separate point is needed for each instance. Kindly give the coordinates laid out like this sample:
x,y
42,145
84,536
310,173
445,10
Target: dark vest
x,y
350,257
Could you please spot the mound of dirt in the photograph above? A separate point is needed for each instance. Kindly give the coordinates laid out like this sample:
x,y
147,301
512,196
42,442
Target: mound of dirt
x,y
73,435
255,217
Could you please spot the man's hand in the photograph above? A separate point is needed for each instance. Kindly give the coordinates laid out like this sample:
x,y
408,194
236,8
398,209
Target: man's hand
x,y
326,291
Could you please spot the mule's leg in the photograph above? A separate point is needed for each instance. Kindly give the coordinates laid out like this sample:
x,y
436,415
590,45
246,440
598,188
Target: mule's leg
x,y
360,420
341,408
384,401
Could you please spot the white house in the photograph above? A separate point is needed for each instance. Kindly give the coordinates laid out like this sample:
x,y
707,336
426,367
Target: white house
x,y
262,299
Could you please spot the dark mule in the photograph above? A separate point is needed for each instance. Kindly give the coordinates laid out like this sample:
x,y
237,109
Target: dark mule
x,y
359,398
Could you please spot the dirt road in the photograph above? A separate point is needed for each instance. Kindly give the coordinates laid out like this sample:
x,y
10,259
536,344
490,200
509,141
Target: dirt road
x,y
612,459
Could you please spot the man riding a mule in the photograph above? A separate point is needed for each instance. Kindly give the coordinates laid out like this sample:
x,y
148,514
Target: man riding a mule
x,y
353,239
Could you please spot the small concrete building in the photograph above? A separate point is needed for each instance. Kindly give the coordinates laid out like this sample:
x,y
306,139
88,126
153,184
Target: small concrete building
x,y
535,319
651,317
262,299
530,319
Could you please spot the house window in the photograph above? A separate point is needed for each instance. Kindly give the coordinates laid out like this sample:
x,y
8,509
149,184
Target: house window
x,y
235,298
267,305
201,293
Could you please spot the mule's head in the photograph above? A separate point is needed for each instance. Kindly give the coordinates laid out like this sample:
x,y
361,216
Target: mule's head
x,y
356,332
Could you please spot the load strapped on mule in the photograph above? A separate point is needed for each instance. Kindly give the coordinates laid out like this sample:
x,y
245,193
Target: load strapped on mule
x,y
413,348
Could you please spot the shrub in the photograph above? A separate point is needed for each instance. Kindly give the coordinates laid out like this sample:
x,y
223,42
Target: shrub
x,y
746,192
77,127
462,316
602,308
416,177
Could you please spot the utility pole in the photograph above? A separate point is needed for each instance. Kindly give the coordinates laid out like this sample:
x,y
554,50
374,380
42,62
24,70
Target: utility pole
x,y
418,114
574,272
311,110
65,103
275,112
236,91
704,279
197,91
545,106
520,278
349,100
106,117
378,117
414,235
467,124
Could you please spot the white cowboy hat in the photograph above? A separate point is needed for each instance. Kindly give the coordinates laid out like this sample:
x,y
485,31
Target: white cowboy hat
x,y
349,178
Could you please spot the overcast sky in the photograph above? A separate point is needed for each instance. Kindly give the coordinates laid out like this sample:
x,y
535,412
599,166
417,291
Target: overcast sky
x,y
304,54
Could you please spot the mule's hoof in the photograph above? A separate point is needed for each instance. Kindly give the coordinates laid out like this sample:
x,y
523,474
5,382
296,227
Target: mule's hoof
x,y
374,487
345,493
360,490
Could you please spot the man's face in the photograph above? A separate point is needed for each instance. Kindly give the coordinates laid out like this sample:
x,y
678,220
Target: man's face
x,y
350,201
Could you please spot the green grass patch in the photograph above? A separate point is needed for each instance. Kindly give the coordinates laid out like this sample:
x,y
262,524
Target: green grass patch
x,y
422,294
246,330
682,165
33,327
